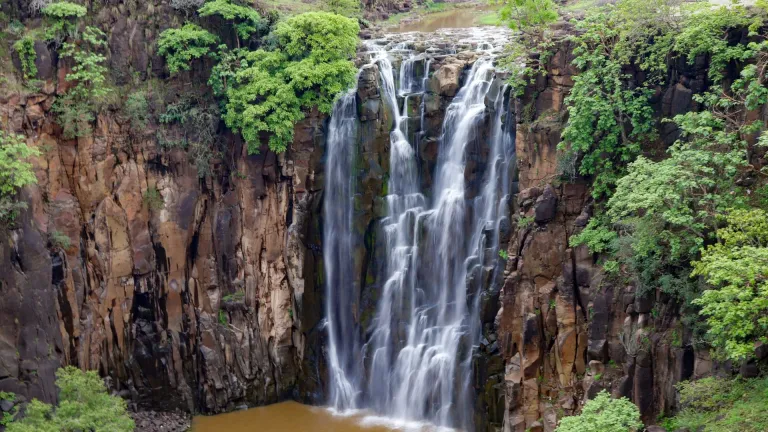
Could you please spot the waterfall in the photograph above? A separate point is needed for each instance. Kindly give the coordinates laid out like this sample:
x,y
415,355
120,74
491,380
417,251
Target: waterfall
x,y
338,244
418,349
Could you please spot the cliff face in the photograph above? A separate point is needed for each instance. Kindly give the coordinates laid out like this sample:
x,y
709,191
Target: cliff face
x,y
566,330
201,302
210,295
189,293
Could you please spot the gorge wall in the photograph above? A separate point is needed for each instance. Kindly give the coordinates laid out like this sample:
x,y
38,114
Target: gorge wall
x,y
566,330
214,298
189,293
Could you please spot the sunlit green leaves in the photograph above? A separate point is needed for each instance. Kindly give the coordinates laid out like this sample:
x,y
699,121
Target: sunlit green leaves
x,y
736,267
84,405
181,46
604,414
271,89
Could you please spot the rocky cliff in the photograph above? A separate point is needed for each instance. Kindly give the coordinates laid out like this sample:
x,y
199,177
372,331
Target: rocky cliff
x,y
566,330
206,293
189,292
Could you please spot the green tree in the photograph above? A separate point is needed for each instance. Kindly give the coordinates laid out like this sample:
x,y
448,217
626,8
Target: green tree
x,y
310,65
528,16
62,20
245,20
608,118
84,405
736,269
76,109
603,414
15,173
181,46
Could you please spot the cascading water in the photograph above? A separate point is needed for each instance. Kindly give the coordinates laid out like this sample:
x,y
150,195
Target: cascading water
x,y
420,344
338,244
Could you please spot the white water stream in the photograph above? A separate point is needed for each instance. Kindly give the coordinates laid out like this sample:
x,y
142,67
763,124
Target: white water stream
x,y
415,361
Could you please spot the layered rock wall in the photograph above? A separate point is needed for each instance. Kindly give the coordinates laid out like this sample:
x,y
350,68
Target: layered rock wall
x,y
566,331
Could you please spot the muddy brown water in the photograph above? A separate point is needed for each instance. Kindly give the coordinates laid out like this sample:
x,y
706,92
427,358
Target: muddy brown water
x,y
454,18
295,417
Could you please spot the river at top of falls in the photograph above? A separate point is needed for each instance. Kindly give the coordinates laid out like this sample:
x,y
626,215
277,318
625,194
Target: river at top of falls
x,y
414,361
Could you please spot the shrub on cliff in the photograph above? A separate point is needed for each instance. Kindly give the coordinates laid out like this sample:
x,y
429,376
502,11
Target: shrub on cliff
x,y
245,20
603,414
84,405
15,173
528,16
77,108
736,269
181,46
308,66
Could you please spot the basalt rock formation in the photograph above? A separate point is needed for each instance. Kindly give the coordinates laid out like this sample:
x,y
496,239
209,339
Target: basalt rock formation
x,y
211,295
566,331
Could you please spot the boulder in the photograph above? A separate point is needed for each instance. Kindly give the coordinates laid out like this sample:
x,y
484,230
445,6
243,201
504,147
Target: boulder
x,y
445,81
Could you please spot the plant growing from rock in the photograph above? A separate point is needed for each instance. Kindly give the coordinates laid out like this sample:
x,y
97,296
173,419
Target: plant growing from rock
x,y
77,108
245,20
199,120
62,20
310,66
137,108
59,240
736,270
25,48
15,173
181,46
152,199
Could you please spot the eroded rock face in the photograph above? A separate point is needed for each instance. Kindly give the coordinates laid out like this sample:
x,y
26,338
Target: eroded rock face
x,y
566,331
202,302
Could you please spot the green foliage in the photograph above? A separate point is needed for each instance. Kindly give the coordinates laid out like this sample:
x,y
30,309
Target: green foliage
x,y
603,414
662,213
528,16
524,222
736,267
222,317
77,108
245,19
84,405
503,254
722,405
608,118
137,108
63,10
25,48
705,33
309,67
59,240
15,173
62,20
8,416
152,199
347,8
181,46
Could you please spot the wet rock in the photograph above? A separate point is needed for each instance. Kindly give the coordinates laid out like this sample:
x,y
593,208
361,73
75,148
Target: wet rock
x,y
445,81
